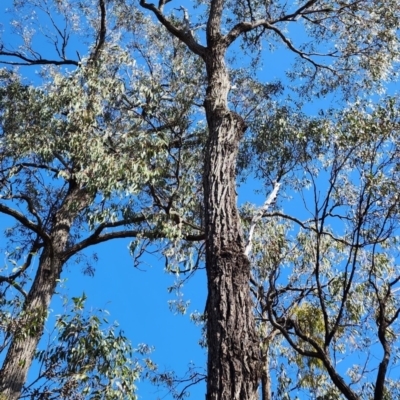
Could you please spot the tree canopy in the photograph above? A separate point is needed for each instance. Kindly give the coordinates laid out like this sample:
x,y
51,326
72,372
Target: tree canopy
x,y
138,125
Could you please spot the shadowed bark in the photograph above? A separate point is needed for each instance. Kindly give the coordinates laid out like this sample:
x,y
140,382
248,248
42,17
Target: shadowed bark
x,y
233,354
23,346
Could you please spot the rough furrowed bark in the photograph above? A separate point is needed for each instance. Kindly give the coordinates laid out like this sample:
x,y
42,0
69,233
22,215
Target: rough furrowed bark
x,y
25,341
233,353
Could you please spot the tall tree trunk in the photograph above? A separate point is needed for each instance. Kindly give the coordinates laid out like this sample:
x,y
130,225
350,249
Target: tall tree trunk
x,y
20,354
233,351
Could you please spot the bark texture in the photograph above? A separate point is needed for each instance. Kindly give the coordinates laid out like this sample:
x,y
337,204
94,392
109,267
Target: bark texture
x,y
24,344
233,353
23,347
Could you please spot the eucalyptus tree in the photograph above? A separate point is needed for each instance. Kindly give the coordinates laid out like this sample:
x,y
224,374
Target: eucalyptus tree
x,y
349,46
87,156
85,357
325,263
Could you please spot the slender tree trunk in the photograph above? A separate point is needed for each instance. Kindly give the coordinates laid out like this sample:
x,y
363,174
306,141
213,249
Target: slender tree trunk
x,y
233,353
22,349
14,371
383,365
265,376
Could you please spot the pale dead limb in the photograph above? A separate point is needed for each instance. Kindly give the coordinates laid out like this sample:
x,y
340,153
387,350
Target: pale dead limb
x,y
259,214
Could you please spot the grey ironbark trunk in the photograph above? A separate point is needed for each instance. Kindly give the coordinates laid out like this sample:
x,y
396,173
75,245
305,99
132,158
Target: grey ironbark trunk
x,y
233,351
20,354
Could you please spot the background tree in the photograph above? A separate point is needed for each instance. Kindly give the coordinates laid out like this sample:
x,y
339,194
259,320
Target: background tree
x,y
85,359
70,148
313,263
328,280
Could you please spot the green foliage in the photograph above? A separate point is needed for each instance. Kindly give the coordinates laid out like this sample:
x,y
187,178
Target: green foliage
x,y
329,271
86,357
101,151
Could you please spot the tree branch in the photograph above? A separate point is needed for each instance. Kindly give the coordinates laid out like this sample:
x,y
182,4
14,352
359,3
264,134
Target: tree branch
x,y
309,228
244,27
39,166
26,222
183,35
214,22
101,38
319,353
31,207
32,61
96,237
259,214
299,11
383,365
11,278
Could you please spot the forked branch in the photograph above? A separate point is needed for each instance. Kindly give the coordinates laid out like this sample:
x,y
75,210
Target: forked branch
x,y
25,222
24,60
182,34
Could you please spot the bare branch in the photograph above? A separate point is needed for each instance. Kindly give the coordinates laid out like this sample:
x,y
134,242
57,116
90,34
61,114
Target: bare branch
x,y
97,237
244,27
31,207
32,61
299,11
310,228
259,214
11,279
395,316
62,34
162,3
18,287
39,166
